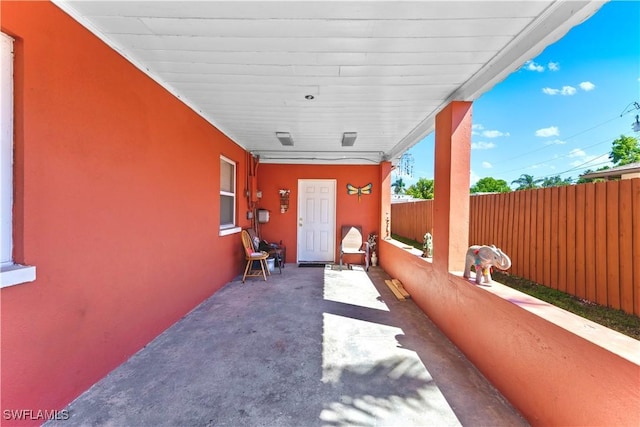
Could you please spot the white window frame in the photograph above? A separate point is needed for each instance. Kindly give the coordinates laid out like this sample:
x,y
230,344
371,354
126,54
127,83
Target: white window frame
x,y
229,228
10,273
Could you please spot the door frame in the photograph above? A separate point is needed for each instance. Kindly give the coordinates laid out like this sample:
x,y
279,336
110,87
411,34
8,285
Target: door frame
x,y
334,183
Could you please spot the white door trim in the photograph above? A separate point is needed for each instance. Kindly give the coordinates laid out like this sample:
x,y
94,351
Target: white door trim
x,y
316,225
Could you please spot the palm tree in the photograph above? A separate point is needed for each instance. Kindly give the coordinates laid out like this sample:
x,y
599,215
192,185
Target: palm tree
x,y
398,186
526,182
556,181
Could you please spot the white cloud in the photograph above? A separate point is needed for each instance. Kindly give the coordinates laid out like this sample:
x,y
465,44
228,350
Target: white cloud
x,y
553,66
555,142
547,132
487,165
493,133
479,129
475,128
576,152
587,86
533,66
566,90
482,145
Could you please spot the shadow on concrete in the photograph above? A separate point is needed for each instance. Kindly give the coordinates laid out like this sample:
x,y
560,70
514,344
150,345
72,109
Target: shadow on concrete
x,y
308,347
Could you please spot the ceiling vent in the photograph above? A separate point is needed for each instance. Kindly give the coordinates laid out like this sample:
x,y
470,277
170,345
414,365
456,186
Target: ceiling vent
x,y
285,138
349,138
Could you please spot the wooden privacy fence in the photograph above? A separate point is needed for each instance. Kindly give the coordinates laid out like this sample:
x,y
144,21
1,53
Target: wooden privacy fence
x,y
580,239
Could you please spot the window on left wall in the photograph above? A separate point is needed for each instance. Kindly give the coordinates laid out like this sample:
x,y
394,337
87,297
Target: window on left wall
x,y
10,272
228,191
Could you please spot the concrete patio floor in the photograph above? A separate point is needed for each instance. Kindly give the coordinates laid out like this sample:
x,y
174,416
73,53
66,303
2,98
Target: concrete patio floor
x,y
308,347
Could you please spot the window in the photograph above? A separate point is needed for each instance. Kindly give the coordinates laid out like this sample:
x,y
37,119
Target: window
x,y
10,273
227,196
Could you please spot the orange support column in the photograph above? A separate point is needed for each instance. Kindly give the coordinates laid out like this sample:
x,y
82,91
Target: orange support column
x,y
385,200
451,182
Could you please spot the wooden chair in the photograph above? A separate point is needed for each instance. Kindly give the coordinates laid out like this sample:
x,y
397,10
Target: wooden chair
x,y
353,243
276,251
252,255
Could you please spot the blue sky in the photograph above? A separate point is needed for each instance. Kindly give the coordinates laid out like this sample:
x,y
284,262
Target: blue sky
x,y
559,113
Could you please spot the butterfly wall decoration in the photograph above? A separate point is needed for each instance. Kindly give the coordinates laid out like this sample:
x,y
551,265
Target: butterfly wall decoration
x,y
351,190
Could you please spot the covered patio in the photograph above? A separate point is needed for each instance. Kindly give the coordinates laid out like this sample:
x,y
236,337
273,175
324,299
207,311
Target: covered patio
x,y
308,347
144,136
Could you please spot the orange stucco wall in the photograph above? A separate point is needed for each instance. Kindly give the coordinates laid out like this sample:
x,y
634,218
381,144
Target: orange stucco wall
x,y
552,375
349,211
116,204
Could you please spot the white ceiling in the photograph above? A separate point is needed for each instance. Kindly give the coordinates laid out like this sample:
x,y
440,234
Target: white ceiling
x,y
382,69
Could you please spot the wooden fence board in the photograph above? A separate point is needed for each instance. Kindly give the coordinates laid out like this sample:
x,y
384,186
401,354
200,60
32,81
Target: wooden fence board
x,y
590,237
553,219
581,196
562,238
533,240
635,204
430,217
481,223
626,246
571,240
506,225
478,221
518,260
472,201
492,215
526,236
485,226
541,253
546,237
500,218
611,287
512,243
597,251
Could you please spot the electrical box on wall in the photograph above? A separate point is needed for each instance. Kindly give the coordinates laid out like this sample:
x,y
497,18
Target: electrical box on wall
x,y
263,216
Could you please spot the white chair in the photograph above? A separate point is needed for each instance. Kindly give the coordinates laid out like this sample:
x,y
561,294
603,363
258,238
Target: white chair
x,y
353,243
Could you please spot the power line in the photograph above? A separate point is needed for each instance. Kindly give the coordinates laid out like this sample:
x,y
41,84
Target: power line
x,y
572,136
580,166
559,157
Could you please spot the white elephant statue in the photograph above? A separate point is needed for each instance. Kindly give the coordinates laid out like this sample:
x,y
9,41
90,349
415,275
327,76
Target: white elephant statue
x,y
484,257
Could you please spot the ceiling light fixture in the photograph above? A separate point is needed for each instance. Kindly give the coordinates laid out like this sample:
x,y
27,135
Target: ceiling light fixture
x,y
349,138
285,138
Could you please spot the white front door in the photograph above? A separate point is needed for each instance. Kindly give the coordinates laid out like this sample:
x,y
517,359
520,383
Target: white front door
x,y
316,220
